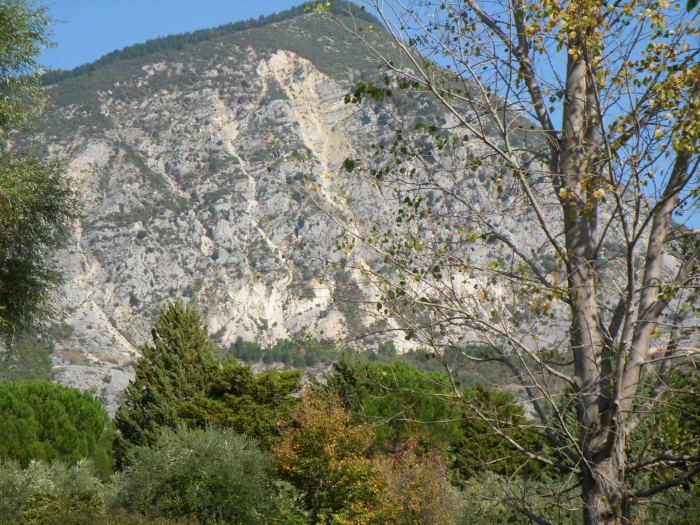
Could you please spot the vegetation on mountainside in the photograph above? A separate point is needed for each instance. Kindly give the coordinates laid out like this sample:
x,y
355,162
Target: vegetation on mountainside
x,y
75,95
27,357
180,41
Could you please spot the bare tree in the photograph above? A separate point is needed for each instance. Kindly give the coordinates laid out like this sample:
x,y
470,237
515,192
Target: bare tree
x,y
537,216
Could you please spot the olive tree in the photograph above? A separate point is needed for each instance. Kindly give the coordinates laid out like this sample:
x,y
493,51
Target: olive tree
x,y
37,203
537,211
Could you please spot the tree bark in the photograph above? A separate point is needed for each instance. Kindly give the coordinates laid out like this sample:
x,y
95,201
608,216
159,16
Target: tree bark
x,y
602,487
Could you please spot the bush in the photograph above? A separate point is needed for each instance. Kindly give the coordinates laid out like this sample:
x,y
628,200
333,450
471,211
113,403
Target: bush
x,y
28,494
45,421
214,475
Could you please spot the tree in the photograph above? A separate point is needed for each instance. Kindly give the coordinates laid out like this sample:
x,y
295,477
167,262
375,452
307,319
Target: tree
x,y
47,422
323,455
257,405
36,201
418,484
28,357
405,405
399,402
536,214
179,366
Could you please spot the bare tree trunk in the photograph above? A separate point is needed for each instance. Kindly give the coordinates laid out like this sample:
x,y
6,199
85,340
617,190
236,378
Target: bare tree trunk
x,y
603,486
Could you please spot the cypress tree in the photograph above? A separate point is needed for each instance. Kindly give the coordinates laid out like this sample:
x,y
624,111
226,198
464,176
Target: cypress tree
x,y
177,368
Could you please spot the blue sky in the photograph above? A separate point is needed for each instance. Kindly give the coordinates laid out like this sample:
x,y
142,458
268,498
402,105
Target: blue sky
x,y
92,28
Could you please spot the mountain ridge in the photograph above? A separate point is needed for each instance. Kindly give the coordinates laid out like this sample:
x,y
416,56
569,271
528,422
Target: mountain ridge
x,y
179,40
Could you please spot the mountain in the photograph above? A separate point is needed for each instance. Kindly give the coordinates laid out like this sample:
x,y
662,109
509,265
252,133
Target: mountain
x,y
188,153
211,166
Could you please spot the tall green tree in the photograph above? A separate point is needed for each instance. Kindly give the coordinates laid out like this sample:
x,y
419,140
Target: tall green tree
x,y
403,403
36,201
400,402
254,404
176,369
45,421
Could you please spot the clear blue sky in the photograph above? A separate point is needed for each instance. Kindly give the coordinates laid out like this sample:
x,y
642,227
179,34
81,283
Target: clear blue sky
x,y
92,28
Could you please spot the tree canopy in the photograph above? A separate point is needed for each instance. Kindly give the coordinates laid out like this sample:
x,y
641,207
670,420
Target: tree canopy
x,y
36,201
44,421
257,405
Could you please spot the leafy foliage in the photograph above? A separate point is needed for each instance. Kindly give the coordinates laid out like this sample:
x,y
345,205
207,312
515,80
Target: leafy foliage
x,y
178,367
399,402
419,485
36,202
403,403
28,357
44,421
250,403
482,449
56,494
23,27
212,474
36,206
32,494
323,455
297,353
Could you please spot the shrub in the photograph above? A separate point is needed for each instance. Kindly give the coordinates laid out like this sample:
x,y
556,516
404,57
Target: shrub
x,y
214,475
28,494
45,421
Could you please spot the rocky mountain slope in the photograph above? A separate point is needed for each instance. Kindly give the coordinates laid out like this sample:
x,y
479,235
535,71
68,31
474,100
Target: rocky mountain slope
x,y
189,163
195,164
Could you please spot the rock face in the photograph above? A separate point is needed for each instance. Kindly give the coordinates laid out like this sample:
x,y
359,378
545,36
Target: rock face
x,y
190,166
211,174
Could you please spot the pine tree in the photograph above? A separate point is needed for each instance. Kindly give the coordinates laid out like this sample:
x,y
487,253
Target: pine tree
x,y
178,367
254,404
43,421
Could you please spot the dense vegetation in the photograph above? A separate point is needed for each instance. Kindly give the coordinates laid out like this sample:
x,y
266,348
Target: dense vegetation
x,y
371,443
379,438
47,422
36,201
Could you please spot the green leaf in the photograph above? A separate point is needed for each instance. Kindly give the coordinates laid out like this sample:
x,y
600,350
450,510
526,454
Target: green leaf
x,y
349,165
692,4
